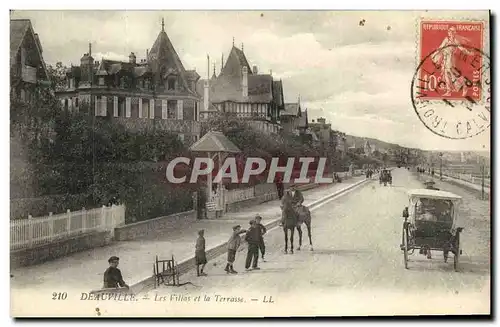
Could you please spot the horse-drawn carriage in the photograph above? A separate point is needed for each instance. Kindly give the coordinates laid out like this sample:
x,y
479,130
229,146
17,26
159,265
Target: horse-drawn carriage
x,y
385,177
431,224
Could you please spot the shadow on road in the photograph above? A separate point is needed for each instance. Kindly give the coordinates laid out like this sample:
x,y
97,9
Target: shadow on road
x,y
341,252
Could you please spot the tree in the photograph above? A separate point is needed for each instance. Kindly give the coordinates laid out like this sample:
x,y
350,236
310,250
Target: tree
x,y
57,76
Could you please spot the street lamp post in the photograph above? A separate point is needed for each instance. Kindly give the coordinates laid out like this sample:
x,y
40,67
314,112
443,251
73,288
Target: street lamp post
x,y
482,179
441,166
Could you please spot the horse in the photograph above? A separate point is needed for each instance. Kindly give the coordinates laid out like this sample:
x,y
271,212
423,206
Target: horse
x,y
289,219
304,216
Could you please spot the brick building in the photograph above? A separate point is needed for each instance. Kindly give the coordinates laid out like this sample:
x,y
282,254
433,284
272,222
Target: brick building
x,y
153,92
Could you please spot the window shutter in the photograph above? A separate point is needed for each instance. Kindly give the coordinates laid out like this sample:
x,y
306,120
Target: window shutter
x,y
164,109
104,104
180,109
115,106
152,109
127,107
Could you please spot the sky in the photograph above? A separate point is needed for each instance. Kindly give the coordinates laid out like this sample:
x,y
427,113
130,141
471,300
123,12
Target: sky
x,y
357,76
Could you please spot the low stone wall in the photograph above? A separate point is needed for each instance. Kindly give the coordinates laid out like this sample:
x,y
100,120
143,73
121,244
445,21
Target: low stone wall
x,y
51,251
234,207
143,228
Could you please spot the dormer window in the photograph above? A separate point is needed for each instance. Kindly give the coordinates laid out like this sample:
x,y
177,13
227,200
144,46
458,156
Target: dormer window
x,y
101,81
71,83
171,83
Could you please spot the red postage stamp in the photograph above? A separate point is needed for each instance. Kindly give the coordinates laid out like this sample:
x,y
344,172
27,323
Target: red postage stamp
x,y
451,63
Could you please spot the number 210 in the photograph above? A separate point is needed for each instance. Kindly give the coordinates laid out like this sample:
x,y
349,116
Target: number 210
x,y
59,296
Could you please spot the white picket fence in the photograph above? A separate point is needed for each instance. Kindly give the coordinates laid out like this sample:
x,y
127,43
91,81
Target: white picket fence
x,y
32,232
468,178
239,195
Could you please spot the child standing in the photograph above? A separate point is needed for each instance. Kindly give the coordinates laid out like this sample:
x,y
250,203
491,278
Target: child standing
x,y
199,254
232,247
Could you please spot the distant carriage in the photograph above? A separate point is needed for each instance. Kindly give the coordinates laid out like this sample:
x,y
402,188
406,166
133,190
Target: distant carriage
x,y
385,177
431,223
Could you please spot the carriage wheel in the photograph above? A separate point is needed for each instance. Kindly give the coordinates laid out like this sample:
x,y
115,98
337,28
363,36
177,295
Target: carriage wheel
x,y
405,246
457,253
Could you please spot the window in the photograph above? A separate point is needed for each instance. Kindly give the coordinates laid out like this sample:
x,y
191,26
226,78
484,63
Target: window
x,y
122,82
66,104
171,83
101,80
146,84
76,102
172,109
121,107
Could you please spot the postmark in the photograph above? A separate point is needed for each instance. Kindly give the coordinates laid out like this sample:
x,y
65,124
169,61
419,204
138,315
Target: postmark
x,y
450,89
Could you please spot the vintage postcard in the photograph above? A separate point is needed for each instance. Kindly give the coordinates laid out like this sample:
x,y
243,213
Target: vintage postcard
x,y
250,163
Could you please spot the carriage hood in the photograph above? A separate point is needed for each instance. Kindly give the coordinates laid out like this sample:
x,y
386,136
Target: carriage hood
x,y
415,195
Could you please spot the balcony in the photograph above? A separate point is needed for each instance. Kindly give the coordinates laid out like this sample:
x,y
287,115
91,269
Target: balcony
x,y
172,125
28,74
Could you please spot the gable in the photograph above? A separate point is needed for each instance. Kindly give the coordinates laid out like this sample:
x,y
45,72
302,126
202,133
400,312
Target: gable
x,y
164,60
21,31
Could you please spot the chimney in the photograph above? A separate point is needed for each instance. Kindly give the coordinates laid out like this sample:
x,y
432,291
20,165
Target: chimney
x,y
322,120
255,70
132,58
244,82
205,95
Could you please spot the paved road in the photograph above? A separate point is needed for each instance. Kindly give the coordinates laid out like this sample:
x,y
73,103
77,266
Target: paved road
x,y
83,271
356,266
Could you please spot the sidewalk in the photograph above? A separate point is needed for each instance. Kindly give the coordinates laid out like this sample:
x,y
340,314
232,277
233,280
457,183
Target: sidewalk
x,y
84,270
460,182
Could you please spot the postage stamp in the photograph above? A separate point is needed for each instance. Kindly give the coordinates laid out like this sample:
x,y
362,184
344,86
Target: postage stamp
x,y
287,173
451,86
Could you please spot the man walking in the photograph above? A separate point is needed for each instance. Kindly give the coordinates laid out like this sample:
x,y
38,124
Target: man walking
x,y
279,187
253,238
262,231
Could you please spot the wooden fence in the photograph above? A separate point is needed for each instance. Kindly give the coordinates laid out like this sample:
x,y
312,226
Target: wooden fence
x,y
33,232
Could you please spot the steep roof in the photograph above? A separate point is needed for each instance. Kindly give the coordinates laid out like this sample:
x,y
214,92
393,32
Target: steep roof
x,y
228,85
19,28
278,93
303,120
163,56
214,141
291,109
234,63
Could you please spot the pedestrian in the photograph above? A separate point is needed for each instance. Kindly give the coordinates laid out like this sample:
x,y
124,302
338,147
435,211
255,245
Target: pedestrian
x,y
113,276
199,254
252,237
232,247
279,187
262,232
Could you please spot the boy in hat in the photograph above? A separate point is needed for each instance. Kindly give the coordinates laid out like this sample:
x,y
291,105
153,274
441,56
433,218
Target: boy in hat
x,y
262,231
113,276
232,247
199,254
